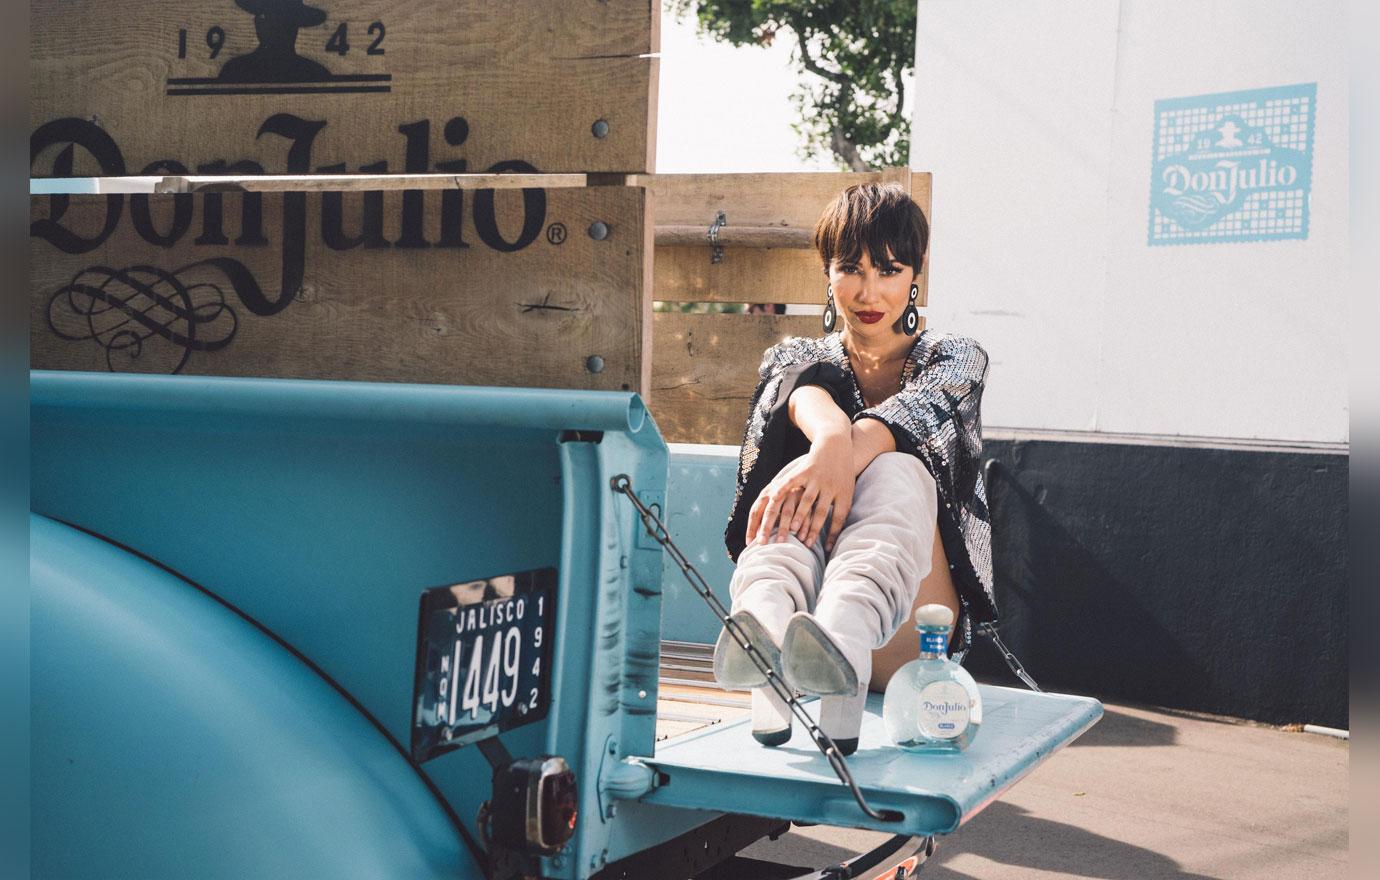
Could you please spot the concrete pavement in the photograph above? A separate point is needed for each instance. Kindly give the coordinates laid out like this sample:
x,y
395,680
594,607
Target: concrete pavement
x,y
1145,794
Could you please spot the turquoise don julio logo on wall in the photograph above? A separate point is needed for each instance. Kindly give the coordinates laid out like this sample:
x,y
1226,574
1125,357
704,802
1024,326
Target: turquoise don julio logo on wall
x,y
1234,166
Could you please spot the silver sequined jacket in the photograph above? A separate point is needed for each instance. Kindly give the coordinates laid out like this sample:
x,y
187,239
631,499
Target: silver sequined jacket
x,y
934,416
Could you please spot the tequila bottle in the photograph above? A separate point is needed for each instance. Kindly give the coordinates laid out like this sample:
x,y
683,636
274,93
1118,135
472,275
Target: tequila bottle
x,y
932,704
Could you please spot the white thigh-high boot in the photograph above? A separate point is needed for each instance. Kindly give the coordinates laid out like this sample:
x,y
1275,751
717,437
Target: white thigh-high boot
x,y
882,554
771,582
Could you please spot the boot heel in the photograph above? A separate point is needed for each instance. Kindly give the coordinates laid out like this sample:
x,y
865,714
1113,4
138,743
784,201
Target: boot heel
x,y
840,716
771,718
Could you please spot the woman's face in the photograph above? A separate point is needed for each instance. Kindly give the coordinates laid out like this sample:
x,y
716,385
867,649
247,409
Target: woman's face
x,y
876,293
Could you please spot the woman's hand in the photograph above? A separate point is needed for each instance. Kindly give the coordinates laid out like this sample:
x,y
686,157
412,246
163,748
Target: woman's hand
x,y
798,498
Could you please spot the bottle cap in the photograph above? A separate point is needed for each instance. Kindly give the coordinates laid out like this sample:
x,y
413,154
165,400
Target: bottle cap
x,y
934,614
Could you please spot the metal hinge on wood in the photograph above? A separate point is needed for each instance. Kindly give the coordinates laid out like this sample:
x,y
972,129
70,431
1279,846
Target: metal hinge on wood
x,y
716,250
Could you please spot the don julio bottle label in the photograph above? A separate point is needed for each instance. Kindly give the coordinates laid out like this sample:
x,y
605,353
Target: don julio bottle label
x,y
943,710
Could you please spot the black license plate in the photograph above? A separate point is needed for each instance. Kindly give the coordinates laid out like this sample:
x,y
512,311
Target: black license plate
x,y
484,651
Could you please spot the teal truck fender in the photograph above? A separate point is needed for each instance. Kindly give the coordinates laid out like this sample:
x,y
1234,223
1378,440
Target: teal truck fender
x,y
174,738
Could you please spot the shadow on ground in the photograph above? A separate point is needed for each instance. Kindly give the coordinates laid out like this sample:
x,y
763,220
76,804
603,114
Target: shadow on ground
x,y
1011,835
1008,835
1119,729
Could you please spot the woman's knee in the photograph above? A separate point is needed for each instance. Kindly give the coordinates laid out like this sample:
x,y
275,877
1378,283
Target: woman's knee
x,y
896,461
897,472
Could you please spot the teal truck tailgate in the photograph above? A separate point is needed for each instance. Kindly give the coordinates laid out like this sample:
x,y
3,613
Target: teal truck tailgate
x,y
723,768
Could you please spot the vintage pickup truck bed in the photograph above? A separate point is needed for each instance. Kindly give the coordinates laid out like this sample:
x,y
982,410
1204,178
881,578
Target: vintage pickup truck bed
x,y
227,576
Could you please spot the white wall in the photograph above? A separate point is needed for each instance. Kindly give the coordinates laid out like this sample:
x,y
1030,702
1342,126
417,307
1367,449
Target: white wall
x,y
1037,120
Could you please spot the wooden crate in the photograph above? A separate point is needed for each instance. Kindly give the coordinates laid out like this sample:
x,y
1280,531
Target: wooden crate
x,y
437,190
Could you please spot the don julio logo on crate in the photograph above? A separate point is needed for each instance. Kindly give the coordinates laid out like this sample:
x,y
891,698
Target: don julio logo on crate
x,y
190,305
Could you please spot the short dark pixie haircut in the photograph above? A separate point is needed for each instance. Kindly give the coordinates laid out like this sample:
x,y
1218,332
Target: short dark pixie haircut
x,y
873,215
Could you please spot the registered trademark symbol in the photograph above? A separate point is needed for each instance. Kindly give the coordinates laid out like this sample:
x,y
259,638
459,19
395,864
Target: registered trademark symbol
x,y
555,233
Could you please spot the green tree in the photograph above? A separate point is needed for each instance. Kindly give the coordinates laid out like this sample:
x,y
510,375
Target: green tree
x,y
858,52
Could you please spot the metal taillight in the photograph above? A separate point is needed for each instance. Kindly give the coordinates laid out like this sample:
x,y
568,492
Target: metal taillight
x,y
535,805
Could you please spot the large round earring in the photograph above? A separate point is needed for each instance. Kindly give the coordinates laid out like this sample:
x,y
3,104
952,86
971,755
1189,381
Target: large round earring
x,y
910,318
831,315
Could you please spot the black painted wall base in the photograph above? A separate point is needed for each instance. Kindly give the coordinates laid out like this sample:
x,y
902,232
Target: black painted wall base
x,y
1213,580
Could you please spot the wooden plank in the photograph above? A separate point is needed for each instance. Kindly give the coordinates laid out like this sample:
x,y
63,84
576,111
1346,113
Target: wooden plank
x,y
434,85
788,199
711,695
789,202
705,370
752,275
739,236
511,288
678,717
